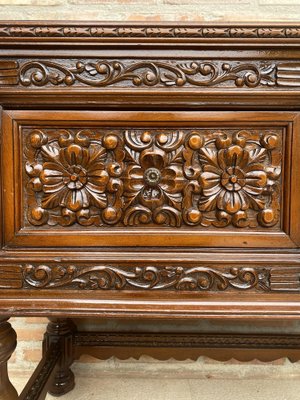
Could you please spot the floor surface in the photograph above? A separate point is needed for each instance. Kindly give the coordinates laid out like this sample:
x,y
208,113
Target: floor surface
x,y
131,386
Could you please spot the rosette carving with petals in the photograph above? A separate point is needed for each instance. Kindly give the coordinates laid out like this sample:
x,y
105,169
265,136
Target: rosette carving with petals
x,y
154,177
71,174
239,181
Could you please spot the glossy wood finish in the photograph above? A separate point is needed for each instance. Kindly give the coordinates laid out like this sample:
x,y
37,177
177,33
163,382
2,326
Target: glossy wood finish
x,y
163,346
61,331
42,379
148,171
181,159
8,341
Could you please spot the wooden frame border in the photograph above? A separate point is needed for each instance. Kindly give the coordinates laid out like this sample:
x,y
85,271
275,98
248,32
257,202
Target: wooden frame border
x,y
14,235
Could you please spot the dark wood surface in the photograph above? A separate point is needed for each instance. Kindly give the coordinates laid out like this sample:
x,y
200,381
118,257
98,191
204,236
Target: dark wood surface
x,y
148,171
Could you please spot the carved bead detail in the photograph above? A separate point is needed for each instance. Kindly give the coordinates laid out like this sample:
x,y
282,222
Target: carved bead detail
x,y
167,177
141,31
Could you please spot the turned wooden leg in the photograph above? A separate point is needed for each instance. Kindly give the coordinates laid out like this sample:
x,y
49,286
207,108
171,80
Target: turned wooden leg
x,y
61,330
8,342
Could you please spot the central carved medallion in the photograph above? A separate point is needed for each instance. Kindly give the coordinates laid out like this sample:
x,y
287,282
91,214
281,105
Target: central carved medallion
x,y
166,177
152,176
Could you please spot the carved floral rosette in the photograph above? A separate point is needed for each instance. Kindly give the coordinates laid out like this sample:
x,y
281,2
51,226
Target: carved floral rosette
x,y
155,177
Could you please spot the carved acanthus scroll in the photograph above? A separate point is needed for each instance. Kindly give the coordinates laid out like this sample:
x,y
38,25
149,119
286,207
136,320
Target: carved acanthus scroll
x,y
145,73
168,73
150,277
147,278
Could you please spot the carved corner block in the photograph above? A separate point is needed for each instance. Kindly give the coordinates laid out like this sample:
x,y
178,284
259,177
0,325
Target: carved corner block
x,y
9,72
11,277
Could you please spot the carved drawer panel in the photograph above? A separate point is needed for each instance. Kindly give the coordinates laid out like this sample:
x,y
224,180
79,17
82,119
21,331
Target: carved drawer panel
x,y
150,178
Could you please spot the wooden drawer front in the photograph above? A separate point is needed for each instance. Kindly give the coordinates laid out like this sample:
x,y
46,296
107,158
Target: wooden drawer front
x,y
150,178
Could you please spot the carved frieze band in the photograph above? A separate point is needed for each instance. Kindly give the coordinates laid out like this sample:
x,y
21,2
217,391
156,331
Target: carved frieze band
x,y
190,73
140,31
147,73
174,278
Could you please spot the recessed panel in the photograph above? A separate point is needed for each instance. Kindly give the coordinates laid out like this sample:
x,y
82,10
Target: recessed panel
x,y
147,177
206,179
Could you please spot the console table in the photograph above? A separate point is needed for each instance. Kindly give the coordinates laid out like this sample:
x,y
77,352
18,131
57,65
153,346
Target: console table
x,y
151,172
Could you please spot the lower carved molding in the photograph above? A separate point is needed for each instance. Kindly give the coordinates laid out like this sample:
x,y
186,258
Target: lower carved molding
x,y
187,340
173,278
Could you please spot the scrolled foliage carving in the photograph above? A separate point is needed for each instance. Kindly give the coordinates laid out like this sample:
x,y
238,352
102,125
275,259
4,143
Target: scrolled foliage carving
x,y
147,73
146,278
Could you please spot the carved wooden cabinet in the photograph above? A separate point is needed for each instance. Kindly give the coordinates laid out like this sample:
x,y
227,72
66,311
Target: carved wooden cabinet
x,y
148,172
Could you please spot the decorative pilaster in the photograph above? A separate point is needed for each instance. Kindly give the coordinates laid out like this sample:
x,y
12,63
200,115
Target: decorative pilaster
x,y
8,342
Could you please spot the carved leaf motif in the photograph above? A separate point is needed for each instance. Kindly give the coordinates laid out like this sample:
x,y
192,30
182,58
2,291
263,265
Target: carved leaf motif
x,y
142,31
103,73
146,278
163,177
235,174
157,73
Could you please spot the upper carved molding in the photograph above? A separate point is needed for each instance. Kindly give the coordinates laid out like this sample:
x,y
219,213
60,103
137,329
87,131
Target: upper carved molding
x,y
142,31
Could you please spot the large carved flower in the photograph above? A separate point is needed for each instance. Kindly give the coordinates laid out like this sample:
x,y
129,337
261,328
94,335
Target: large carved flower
x,y
72,174
234,176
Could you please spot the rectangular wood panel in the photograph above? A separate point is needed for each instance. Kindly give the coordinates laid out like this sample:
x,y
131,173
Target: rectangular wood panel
x,y
193,179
